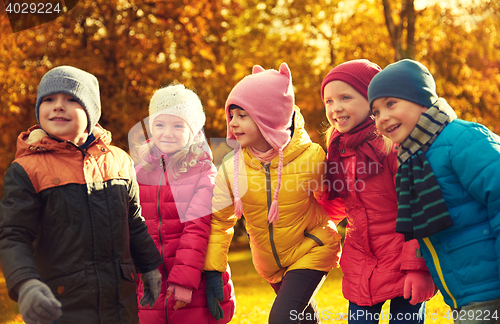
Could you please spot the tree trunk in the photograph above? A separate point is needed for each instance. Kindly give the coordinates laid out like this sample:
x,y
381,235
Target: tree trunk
x,y
396,30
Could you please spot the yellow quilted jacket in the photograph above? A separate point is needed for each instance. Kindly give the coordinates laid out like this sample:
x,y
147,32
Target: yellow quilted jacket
x,y
303,238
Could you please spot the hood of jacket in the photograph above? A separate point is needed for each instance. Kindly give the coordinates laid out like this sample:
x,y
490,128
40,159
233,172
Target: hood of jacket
x,y
36,140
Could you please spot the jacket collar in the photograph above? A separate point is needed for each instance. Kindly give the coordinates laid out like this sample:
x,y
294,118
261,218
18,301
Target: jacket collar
x,y
36,140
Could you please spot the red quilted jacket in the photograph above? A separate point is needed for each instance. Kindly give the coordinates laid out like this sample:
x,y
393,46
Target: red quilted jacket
x,y
178,213
375,258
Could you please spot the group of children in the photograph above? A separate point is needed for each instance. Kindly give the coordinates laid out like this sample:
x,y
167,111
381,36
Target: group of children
x,y
87,238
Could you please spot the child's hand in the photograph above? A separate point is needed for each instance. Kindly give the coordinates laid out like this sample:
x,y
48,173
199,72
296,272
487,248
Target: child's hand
x,y
182,295
215,293
37,304
179,304
151,282
419,286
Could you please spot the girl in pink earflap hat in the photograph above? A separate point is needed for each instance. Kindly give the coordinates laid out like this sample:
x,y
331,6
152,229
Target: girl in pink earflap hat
x,y
271,178
377,263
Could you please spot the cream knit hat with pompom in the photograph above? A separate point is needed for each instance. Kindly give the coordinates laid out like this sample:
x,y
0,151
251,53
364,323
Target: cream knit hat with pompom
x,y
178,101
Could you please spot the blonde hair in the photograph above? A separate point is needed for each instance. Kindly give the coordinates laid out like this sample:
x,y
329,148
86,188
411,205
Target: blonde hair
x,y
327,134
179,161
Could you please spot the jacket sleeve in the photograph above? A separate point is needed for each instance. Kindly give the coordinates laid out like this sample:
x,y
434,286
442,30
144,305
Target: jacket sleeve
x,y
479,173
223,220
190,255
142,248
411,257
335,208
19,219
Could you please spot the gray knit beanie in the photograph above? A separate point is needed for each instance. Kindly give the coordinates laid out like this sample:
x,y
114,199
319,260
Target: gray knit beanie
x,y
406,79
178,101
82,85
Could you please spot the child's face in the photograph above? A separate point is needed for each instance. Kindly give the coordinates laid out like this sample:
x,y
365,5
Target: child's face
x,y
345,107
62,116
170,133
396,118
246,131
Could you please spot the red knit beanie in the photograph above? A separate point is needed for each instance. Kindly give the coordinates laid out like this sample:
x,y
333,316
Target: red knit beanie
x,y
356,73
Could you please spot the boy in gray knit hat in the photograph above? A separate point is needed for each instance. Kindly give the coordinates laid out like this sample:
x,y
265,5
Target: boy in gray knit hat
x,y
448,185
71,231
76,86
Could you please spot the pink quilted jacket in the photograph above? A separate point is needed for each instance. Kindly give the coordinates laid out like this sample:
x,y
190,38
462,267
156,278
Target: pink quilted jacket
x,y
178,215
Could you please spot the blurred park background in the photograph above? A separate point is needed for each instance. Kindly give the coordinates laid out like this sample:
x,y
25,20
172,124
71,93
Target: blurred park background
x,y
135,47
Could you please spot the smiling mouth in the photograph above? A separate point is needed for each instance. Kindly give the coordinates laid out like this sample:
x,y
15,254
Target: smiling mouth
x,y
341,119
238,134
392,128
58,119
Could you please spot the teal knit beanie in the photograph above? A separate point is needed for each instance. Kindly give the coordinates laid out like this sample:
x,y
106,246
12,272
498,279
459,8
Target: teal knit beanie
x,y
406,79
82,85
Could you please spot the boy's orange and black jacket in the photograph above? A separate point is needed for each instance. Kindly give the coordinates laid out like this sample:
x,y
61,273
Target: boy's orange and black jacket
x,y
71,218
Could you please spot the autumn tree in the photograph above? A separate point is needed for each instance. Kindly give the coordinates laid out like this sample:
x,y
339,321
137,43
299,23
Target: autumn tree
x,y
402,30
135,47
460,47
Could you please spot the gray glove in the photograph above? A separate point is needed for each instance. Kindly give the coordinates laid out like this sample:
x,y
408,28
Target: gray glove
x,y
151,282
37,304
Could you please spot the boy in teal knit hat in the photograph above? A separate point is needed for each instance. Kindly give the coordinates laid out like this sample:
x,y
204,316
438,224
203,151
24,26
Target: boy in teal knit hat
x,y
448,187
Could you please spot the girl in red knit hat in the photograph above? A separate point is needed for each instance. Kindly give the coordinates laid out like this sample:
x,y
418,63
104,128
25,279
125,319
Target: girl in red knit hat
x,y
270,178
377,264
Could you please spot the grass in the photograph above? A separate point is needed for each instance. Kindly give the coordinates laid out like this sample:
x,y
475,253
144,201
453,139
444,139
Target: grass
x,y
254,296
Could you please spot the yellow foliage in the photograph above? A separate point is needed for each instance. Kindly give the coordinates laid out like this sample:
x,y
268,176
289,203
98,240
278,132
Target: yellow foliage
x,y
136,48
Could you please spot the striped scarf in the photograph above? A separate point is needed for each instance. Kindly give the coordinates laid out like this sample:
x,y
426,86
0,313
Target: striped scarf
x,y
422,210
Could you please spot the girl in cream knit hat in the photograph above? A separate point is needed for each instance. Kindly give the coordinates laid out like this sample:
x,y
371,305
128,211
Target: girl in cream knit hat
x,y
176,178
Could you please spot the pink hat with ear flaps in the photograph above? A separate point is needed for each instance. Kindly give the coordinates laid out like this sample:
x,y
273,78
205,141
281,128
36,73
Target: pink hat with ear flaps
x,y
267,96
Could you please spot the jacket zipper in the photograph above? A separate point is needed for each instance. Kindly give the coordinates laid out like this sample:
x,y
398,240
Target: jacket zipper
x,y
159,230
438,269
269,201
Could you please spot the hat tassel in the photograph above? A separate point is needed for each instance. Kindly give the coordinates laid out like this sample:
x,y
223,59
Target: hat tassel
x,y
274,213
238,205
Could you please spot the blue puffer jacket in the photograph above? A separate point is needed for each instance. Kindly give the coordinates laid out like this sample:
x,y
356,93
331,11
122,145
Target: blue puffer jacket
x,y
464,258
